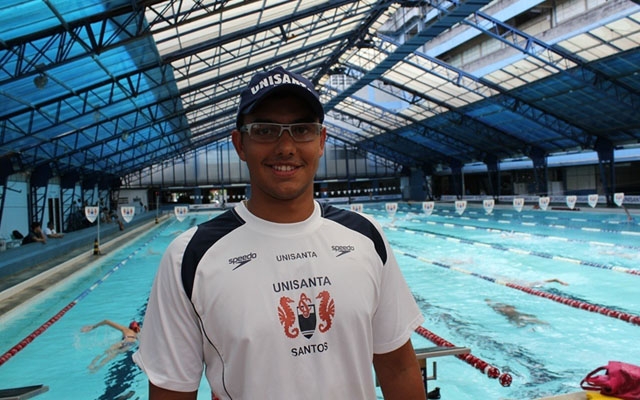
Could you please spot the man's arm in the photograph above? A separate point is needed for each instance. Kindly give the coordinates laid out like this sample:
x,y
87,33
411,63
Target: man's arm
x,y
157,393
399,374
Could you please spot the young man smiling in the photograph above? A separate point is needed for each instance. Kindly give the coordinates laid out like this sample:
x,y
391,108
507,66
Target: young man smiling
x,y
281,297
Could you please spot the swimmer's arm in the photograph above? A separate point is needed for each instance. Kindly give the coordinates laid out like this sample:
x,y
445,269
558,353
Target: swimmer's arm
x,y
104,322
158,393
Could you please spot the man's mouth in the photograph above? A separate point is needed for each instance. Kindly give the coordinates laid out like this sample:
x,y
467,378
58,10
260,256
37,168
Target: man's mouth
x,y
283,168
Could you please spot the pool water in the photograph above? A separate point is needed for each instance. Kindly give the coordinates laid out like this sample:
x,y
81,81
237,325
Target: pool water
x,y
452,263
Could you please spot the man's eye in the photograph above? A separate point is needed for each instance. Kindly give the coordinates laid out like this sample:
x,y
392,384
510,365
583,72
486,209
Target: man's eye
x,y
300,130
263,130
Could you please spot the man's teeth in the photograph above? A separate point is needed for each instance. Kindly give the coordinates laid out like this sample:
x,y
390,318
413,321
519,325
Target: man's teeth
x,y
283,167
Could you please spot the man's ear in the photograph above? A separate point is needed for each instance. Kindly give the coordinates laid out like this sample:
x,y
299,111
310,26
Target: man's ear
x,y
323,139
236,138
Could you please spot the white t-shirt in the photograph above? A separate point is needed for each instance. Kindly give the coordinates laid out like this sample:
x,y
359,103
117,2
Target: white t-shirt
x,y
276,311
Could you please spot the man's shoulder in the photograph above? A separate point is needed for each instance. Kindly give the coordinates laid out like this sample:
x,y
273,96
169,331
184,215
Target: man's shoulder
x,y
360,223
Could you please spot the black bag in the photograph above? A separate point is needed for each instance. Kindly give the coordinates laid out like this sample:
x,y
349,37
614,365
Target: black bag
x,y
16,235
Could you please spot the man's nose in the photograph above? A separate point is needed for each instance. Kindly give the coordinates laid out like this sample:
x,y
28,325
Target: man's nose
x,y
285,141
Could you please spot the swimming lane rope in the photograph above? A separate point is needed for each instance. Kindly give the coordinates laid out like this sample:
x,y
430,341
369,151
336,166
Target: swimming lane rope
x,y
582,305
531,234
491,371
633,319
447,213
571,220
30,338
496,246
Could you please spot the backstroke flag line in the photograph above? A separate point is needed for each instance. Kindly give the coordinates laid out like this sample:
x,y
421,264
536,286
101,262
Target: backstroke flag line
x,y
127,213
91,213
181,212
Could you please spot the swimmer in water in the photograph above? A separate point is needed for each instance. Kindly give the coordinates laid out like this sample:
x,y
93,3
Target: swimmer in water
x,y
129,339
514,316
544,282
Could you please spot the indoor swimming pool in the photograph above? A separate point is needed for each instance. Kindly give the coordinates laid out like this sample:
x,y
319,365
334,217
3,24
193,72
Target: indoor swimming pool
x,y
457,266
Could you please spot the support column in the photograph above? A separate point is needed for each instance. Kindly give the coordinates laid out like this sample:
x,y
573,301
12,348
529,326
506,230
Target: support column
x,y
427,172
39,181
606,160
416,185
493,174
72,213
9,164
456,178
539,158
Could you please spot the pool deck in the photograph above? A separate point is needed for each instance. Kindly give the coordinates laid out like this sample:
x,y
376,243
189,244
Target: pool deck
x,y
21,286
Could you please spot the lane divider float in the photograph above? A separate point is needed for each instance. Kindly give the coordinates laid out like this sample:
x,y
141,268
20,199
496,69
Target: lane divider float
x,y
540,254
530,234
31,337
491,371
582,305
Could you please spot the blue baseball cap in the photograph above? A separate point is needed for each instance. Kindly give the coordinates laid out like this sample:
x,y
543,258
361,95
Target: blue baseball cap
x,y
278,79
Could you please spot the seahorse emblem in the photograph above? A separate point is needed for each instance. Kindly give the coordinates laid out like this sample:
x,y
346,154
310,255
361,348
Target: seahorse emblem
x,y
327,310
287,317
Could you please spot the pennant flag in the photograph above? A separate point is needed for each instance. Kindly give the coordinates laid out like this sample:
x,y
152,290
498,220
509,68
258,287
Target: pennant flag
x,y
543,202
461,205
427,207
391,208
127,213
593,200
518,203
571,201
91,213
488,205
618,198
181,212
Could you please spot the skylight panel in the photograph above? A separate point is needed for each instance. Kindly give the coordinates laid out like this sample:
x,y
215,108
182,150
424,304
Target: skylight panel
x,y
627,43
416,113
600,52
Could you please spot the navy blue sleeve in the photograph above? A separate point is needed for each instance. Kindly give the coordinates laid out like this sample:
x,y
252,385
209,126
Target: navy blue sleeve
x,y
207,234
358,223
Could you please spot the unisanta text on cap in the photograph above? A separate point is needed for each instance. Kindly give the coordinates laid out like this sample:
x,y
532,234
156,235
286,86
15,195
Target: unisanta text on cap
x,y
264,83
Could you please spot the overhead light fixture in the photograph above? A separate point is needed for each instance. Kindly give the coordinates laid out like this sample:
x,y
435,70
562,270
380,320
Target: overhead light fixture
x,y
40,81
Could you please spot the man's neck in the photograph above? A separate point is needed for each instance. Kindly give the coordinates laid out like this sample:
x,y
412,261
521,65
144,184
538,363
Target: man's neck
x,y
283,212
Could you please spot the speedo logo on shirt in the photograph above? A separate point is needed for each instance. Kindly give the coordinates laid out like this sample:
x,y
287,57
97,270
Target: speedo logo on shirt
x,y
342,250
242,260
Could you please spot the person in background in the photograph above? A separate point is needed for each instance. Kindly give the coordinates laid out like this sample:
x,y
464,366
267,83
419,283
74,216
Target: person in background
x,y
51,232
129,339
281,297
35,234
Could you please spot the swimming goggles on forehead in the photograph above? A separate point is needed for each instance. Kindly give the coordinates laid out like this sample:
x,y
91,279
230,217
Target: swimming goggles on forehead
x,y
267,132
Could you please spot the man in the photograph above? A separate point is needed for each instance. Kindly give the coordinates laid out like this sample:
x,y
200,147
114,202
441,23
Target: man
x,y
280,297
35,234
50,231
